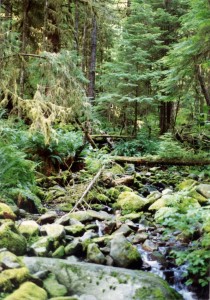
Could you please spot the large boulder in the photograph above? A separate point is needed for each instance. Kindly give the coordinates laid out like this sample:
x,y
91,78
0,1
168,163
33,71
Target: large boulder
x,y
131,202
11,239
103,282
11,277
124,253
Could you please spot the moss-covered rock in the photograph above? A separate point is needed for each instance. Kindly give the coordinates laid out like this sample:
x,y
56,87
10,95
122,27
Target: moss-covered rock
x,y
11,239
53,287
162,202
54,231
6,212
28,228
187,184
76,229
28,291
200,198
131,202
132,216
13,277
156,294
8,260
124,253
41,247
204,189
94,254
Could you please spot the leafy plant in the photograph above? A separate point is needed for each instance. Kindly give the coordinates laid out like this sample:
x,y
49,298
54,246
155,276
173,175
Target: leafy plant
x,y
169,148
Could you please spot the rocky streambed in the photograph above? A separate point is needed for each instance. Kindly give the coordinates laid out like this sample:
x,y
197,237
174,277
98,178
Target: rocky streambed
x,y
109,246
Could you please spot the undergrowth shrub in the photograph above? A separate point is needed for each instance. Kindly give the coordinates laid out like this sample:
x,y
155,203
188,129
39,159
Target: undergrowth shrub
x,y
196,256
137,147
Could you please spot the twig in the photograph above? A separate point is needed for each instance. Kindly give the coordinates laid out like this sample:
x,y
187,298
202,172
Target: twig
x,y
91,184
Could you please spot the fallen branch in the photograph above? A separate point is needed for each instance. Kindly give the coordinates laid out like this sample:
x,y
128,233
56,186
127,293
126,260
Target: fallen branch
x,y
87,135
161,161
93,181
127,180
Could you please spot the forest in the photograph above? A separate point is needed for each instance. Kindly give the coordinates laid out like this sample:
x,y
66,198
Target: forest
x,y
104,149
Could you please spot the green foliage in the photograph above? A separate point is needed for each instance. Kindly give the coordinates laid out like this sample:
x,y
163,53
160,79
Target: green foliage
x,y
95,159
137,147
196,257
62,147
170,148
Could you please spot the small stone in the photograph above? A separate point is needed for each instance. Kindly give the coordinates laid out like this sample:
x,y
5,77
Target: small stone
x,y
74,248
204,189
41,247
8,260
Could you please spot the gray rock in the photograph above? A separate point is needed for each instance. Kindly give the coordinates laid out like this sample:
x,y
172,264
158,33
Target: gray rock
x,y
104,282
41,247
53,287
124,228
74,248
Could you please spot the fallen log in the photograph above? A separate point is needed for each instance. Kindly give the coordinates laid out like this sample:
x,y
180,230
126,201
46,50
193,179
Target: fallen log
x,y
127,180
151,161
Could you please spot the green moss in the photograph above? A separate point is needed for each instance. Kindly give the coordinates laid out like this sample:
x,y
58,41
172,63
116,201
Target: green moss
x,y
160,293
6,212
131,202
9,278
28,291
11,240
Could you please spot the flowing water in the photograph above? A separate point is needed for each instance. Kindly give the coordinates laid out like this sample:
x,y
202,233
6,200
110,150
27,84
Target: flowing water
x,y
157,268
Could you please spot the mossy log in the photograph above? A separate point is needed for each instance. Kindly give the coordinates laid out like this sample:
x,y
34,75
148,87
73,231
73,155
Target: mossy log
x,y
161,161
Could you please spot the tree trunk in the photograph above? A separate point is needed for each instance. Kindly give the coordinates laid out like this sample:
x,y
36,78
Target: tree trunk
x,y
92,70
161,161
24,35
203,86
45,25
166,116
76,27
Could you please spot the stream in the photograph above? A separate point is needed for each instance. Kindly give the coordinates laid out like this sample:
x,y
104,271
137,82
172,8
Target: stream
x,y
177,273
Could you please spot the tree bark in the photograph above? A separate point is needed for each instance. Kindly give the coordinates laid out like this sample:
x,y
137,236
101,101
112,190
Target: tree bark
x,y
160,161
92,70
166,116
203,86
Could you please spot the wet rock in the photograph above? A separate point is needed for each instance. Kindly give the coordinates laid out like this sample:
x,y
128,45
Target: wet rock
x,y
94,254
6,212
53,287
142,228
148,245
48,217
109,227
28,290
124,253
204,189
131,202
11,239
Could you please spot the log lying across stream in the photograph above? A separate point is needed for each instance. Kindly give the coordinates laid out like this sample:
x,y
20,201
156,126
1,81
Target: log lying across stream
x,y
151,161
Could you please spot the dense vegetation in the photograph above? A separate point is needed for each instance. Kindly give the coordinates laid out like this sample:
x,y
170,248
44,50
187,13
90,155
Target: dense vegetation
x,y
136,70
